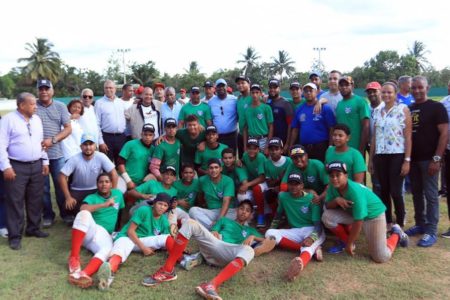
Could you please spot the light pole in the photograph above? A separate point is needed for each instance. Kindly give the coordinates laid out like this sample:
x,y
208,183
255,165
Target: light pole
x,y
123,51
319,49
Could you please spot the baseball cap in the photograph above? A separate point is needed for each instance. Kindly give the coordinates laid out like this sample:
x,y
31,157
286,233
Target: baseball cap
x,y
295,85
170,122
211,128
242,77
148,127
314,73
221,81
275,142
195,89
182,91
255,87
214,161
139,90
44,82
274,81
346,78
337,166
208,84
170,169
163,197
373,86
298,150
87,137
159,84
229,89
252,141
295,177
311,85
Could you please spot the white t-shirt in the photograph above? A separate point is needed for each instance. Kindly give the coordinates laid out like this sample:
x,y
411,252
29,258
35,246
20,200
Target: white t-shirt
x,y
151,117
185,100
333,99
71,144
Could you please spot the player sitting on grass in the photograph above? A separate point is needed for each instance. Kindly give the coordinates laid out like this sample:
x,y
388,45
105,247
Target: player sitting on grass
x,y
147,231
351,203
227,245
306,234
92,229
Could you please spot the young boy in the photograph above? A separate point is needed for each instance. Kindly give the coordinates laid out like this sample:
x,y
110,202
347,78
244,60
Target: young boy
x,y
258,119
228,245
237,174
213,149
92,228
306,234
167,153
351,203
187,189
147,231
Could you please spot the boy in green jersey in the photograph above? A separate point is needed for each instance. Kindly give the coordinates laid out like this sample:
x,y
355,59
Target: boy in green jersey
x,y
213,149
147,231
190,137
237,174
187,189
351,207
195,107
305,233
92,229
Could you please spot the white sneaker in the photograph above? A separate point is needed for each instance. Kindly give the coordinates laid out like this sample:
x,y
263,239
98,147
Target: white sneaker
x,y
104,276
4,232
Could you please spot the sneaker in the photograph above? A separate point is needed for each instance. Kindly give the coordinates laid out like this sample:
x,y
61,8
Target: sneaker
x,y
47,223
4,232
427,240
104,276
265,246
319,254
415,230
404,238
191,261
208,291
338,248
74,264
261,221
158,277
80,279
295,268
69,220
446,234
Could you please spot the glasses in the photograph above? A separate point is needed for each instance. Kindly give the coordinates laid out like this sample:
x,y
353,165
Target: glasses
x,y
221,110
87,97
195,92
29,128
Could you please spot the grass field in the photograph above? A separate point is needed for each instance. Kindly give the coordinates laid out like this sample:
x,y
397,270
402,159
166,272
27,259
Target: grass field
x,y
39,271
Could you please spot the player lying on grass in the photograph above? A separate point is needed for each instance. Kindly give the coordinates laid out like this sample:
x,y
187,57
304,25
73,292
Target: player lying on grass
x,y
92,229
227,245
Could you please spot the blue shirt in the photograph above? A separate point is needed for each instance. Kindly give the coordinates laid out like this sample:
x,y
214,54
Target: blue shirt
x,y
167,112
407,100
224,113
313,128
282,116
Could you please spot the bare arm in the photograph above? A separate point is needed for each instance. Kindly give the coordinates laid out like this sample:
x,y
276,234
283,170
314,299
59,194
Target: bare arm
x,y
225,204
133,236
365,126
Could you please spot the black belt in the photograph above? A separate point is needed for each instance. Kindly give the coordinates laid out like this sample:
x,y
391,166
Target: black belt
x,y
25,162
113,134
229,133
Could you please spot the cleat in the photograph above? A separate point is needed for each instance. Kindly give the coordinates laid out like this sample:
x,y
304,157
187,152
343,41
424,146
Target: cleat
x,y
207,291
74,264
104,276
265,246
80,279
319,254
295,268
191,261
159,277
404,238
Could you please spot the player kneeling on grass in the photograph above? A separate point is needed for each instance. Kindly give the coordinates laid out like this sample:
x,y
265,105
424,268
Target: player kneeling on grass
x,y
227,245
306,234
351,203
92,228
147,231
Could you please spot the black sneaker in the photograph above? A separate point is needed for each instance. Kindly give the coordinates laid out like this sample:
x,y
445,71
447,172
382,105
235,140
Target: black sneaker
x,y
446,234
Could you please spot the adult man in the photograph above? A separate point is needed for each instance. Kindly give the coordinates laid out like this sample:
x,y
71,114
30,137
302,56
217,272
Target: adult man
x,y
353,111
446,103
296,94
429,137
88,121
54,116
171,108
183,99
190,137
315,77
209,90
403,95
218,192
85,167
195,107
213,149
313,130
282,112
127,98
110,112
244,99
333,95
224,114
159,91
23,161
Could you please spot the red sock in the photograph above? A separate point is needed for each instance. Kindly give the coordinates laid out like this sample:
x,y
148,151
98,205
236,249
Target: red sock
x,y
392,242
93,266
115,262
258,195
170,242
176,252
340,232
290,245
283,187
305,257
77,241
229,271
347,227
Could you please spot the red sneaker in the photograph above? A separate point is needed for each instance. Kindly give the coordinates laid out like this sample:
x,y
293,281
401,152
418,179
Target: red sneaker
x,y
80,279
208,291
74,264
158,277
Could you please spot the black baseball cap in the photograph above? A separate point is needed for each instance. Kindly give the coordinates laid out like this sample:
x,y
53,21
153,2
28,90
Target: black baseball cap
x,y
297,150
214,161
274,81
44,82
195,89
275,142
338,166
170,169
242,77
211,128
148,127
208,84
255,87
252,141
295,85
170,122
163,197
295,177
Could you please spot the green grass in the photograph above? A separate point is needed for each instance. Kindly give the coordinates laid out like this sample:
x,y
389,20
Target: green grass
x,y
39,271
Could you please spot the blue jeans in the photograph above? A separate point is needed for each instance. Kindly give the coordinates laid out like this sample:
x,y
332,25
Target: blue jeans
x,y
2,203
48,213
425,196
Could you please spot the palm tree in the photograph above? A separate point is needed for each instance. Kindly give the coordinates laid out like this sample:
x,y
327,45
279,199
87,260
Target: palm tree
x,y
43,62
283,64
249,59
418,52
193,69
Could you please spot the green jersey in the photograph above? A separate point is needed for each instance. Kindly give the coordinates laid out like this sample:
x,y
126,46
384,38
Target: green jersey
x,y
314,176
154,187
351,112
202,157
300,212
169,154
352,158
296,105
257,119
147,224
137,156
189,145
254,167
233,232
187,192
106,217
242,104
214,192
366,205
201,110
238,175
276,170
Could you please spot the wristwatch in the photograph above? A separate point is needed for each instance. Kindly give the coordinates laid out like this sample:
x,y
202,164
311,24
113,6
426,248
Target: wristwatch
x,y
437,158
408,159
54,140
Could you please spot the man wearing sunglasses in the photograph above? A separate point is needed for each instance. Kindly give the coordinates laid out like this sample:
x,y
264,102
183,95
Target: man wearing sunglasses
x,y
88,120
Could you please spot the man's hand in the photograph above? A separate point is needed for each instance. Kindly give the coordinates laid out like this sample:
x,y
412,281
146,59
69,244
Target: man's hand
x,y
70,203
343,202
130,185
201,146
317,108
110,202
173,230
405,168
9,174
216,234
147,251
47,143
249,241
45,170
433,168
350,249
103,148
243,188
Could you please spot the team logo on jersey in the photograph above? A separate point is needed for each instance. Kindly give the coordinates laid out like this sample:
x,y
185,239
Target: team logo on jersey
x,y
191,195
348,110
245,105
311,178
156,231
178,151
302,118
317,117
244,233
200,113
259,116
304,209
116,205
275,110
220,194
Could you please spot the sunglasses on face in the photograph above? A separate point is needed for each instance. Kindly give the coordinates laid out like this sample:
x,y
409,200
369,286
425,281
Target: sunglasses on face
x,y
87,97
195,92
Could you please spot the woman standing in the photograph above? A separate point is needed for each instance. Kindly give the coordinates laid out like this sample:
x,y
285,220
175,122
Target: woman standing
x,y
390,151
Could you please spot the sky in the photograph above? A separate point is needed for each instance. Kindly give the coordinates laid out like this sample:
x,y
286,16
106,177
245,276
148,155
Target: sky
x,y
172,33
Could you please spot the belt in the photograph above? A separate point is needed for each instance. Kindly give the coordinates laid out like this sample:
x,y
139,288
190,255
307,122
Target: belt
x,y
25,162
113,134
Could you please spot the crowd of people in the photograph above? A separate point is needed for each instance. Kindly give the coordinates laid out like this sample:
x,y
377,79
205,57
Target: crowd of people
x,y
240,175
